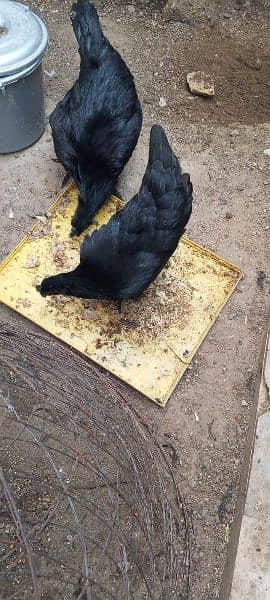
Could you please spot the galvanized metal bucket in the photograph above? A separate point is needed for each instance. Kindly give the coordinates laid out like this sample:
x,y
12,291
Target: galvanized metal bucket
x,y
23,41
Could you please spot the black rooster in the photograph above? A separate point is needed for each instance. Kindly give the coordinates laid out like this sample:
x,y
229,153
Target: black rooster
x,y
96,126
123,257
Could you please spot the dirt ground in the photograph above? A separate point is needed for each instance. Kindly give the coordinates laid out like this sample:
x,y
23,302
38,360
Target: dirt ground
x,y
221,143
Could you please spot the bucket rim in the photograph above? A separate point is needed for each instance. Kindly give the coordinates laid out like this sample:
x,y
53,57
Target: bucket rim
x,y
23,63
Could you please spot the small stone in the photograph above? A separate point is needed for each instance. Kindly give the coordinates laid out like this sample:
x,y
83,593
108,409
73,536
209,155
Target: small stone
x,y
258,505
267,152
42,218
131,9
69,539
200,84
51,74
196,557
228,216
258,64
212,22
239,429
162,102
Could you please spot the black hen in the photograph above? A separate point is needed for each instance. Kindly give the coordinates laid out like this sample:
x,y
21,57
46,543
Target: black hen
x,y
96,126
122,258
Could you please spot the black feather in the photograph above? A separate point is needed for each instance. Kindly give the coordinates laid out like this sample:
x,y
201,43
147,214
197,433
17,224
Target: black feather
x,y
96,126
123,257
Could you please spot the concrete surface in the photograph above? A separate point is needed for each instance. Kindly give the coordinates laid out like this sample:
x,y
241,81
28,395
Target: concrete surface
x,y
251,580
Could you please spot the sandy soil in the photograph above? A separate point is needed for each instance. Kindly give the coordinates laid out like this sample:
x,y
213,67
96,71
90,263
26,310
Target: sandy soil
x,y
221,143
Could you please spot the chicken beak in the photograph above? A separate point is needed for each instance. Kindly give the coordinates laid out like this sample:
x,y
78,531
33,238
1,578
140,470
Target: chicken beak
x,y
73,232
39,289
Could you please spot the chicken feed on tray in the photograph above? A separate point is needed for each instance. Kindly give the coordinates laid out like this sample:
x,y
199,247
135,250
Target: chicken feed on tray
x,y
151,343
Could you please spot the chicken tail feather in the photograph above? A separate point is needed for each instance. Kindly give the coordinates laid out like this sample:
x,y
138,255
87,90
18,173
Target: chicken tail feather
x,y
160,149
164,178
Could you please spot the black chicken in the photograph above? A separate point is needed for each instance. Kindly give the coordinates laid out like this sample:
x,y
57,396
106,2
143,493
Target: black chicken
x,y
96,126
122,258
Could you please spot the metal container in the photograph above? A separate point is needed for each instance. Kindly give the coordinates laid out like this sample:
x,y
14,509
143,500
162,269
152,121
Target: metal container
x,y
23,41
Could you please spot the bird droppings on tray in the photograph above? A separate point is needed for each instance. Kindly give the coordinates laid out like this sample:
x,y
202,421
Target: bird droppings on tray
x,y
32,262
23,302
152,341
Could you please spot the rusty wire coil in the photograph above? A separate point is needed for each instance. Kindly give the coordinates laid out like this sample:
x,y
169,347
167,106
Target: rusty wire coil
x,y
89,505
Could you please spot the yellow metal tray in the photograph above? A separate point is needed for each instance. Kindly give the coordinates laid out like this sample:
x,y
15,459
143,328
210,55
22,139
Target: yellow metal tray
x,y
151,343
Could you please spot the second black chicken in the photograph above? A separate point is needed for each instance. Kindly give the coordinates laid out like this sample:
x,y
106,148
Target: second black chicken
x,y
120,260
96,126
